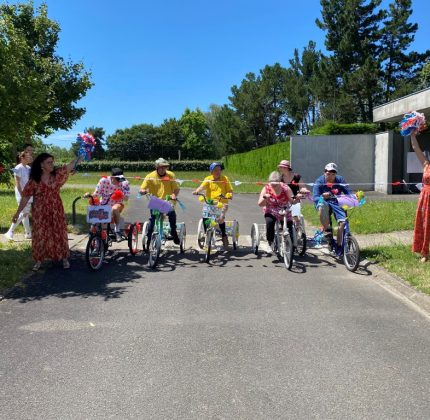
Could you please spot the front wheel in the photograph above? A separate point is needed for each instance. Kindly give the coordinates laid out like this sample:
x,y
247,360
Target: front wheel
x,y
95,253
235,234
287,250
201,235
145,235
154,250
209,236
255,238
182,237
351,253
133,239
301,241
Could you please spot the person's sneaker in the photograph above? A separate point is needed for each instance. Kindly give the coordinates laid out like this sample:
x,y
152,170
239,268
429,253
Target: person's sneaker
x,y
27,236
175,237
225,241
9,235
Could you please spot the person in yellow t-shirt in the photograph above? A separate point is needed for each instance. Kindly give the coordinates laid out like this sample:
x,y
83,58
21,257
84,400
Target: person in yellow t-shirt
x,y
215,185
161,183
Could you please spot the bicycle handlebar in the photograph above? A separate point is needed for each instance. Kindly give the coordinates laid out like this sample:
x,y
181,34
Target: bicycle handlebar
x,y
206,201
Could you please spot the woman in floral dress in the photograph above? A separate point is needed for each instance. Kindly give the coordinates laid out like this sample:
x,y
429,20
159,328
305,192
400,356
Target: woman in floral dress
x,y
422,220
49,239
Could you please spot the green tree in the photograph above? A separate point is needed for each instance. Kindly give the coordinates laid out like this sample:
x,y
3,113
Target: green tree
x,y
228,132
139,142
260,101
352,34
170,139
38,88
399,67
196,137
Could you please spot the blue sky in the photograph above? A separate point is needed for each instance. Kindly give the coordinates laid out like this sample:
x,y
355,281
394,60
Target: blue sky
x,y
152,59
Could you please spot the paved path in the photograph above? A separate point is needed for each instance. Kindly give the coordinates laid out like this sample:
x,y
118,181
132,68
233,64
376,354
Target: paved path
x,y
239,338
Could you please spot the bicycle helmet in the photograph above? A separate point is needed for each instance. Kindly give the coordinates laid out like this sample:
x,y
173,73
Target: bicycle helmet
x,y
213,165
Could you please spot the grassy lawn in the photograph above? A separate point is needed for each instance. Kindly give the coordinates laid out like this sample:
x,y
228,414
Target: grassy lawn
x,y
15,257
374,217
401,261
91,179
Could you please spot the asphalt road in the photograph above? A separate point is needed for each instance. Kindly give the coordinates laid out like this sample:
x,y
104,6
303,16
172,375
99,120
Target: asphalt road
x,y
239,338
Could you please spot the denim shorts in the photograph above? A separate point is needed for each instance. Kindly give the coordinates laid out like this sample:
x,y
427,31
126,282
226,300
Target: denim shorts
x,y
333,207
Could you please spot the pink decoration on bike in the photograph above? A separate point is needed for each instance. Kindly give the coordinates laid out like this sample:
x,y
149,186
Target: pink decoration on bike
x,y
347,200
158,204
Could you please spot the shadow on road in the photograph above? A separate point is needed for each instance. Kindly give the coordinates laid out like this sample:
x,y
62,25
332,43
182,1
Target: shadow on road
x,y
110,282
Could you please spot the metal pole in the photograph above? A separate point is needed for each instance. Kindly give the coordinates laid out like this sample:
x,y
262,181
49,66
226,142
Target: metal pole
x,y
74,210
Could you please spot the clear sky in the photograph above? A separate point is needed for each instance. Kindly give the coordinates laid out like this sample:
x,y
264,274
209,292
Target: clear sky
x,y
152,59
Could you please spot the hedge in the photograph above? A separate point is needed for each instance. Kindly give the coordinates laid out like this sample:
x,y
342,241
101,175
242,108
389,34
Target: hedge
x,y
177,165
331,127
259,162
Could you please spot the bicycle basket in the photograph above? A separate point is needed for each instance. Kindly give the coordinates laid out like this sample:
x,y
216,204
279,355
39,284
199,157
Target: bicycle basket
x,y
210,211
99,214
162,206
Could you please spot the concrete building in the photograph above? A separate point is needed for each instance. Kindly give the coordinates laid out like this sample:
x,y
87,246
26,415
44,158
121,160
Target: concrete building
x,y
367,161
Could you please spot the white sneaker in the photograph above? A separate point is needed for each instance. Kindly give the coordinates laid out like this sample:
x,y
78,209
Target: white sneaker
x,y
9,235
27,236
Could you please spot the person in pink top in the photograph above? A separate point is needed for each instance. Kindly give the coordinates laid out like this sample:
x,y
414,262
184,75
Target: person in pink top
x,y
274,197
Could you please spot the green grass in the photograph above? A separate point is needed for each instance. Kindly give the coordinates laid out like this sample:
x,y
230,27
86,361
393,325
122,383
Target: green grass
x,y
374,216
91,179
15,261
401,261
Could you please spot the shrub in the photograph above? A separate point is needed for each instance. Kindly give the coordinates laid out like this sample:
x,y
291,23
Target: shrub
x,y
176,165
258,162
331,127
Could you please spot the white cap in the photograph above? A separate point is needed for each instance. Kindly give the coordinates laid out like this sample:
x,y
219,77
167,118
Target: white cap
x,y
331,167
161,162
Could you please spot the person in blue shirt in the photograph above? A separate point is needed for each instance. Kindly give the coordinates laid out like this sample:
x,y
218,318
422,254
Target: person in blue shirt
x,y
326,187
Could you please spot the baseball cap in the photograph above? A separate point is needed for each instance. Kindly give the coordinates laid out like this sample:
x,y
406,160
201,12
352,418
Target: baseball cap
x,y
213,165
161,162
331,167
284,164
118,174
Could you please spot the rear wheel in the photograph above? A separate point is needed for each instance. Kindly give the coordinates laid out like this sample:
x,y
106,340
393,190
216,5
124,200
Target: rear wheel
x,y
235,234
154,250
209,236
95,252
145,235
182,237
351,253
201,237
287,250
255,238
301,241
133,239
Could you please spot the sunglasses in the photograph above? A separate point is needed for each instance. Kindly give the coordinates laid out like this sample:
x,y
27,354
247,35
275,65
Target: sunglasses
x,y
331,172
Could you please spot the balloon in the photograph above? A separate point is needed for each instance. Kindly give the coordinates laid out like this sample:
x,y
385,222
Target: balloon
x,y
117,195
86,145
411,122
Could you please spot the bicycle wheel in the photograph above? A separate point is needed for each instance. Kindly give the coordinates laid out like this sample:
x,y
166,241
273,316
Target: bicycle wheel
x,y
201,235
287,250
145,235
255,238
133,239
301,241
235,234
95,253
209,236
182,237
351,253
154,250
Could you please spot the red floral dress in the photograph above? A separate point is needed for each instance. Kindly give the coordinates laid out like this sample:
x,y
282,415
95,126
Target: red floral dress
x,y
422,219
49,233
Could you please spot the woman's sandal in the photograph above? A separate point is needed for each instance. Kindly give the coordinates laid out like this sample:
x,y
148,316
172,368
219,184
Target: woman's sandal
x,y
424,259
37,266
66,264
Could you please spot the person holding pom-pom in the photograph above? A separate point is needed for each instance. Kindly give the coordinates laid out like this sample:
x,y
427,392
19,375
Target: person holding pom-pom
x,y
422,219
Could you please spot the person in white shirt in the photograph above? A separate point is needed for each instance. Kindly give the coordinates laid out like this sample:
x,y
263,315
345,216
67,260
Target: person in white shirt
x,y
21,174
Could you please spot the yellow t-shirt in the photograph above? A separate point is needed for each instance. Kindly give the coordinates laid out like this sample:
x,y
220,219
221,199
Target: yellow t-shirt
x,y
160,186
214,189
